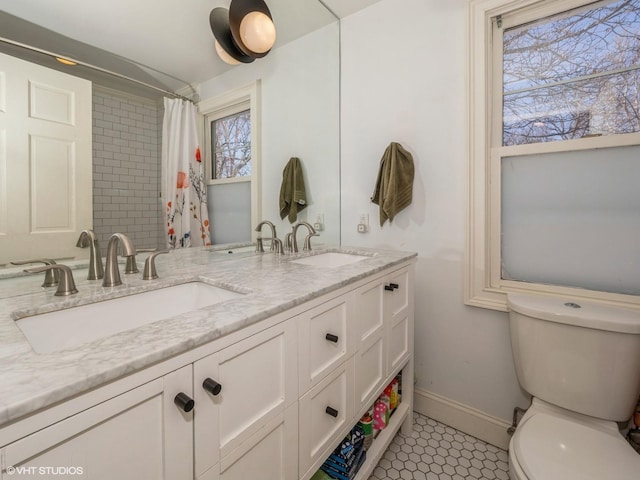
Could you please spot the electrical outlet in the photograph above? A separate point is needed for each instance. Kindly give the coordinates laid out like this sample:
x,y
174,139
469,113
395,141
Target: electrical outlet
x,y
363,226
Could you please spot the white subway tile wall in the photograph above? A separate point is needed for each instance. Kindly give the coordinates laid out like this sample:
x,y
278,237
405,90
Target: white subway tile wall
x,y
126,168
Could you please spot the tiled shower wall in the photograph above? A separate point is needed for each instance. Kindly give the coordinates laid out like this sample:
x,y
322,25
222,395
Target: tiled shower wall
x,y
126,168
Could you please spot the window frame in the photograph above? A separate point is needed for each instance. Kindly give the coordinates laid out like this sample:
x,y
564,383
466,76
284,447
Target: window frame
x,y
484,286
243,98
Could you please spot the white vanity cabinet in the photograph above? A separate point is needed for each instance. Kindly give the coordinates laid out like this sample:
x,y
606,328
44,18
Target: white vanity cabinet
x,y
272,400
140,433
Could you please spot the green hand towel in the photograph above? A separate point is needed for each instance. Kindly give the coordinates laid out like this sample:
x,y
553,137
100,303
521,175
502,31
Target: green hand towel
x,y
394,186
293,197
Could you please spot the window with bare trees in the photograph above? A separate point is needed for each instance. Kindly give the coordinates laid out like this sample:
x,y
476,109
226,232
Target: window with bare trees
x,y
554,136
572,75
231,138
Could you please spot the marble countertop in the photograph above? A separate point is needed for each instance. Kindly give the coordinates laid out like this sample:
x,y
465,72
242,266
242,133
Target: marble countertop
x,y
271,284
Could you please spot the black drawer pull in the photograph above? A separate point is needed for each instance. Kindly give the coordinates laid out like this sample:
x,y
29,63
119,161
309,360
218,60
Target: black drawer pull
x,y
388,288
184,402
331,337
211,386
331,411
394,285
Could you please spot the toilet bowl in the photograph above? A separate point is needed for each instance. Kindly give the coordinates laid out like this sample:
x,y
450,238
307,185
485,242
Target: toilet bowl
x,y
552,443
580,362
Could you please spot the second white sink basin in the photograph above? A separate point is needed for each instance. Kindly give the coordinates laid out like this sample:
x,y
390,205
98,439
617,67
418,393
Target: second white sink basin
x,y
53,331
330,259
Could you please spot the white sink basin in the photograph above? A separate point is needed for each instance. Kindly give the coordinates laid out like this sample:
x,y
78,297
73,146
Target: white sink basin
x,y
330,259
53,331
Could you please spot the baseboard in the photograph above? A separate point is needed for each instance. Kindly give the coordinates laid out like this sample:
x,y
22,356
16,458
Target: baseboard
x,y
462,417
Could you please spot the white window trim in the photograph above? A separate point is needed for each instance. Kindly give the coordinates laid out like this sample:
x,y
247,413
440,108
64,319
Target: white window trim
x,y
227,104
483,285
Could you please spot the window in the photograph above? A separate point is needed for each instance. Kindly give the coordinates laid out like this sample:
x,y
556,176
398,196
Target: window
x,y
555,150
231,146
233,164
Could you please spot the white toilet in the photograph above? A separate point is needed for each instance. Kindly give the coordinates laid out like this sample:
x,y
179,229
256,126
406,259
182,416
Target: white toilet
x,y
581,363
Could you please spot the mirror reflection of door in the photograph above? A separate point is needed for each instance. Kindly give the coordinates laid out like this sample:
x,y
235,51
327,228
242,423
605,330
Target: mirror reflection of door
x,y
231,170
45,161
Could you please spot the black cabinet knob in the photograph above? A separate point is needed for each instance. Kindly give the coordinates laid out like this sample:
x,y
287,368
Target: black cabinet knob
x,y
331,337
331,411
394,285
184,402
211,386
388,288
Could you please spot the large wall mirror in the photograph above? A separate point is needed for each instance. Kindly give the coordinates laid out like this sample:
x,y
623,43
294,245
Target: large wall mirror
x,y
299,95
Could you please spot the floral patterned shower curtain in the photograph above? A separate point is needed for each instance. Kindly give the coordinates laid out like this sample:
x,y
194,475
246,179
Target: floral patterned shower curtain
x,y
183,184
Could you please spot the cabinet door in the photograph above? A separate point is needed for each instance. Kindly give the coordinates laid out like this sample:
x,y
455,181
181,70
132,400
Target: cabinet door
x,y
323,340
370,359
399,318
138,434
249,416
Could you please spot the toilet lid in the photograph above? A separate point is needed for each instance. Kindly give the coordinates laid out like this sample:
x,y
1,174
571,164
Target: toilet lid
x,y
551,448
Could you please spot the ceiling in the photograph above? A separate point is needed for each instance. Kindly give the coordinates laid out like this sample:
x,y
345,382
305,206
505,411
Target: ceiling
x,y
168,36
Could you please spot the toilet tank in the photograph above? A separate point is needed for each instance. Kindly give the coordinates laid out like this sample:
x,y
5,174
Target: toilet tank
x,y
578,355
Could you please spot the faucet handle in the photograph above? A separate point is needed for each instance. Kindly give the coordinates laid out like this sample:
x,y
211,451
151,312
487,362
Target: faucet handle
x,y
287,242
150,265
132,265
259,245
66,286
51,278
276,245
307,241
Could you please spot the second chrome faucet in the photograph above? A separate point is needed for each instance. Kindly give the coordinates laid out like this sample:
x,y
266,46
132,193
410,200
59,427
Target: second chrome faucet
x,y
112,273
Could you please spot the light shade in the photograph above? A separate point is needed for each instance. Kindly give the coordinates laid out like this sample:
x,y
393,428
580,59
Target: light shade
x,y
257,32
252,27
219,22
224,56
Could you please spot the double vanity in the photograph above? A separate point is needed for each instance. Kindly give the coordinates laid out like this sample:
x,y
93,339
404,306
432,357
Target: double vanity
x,y
231,365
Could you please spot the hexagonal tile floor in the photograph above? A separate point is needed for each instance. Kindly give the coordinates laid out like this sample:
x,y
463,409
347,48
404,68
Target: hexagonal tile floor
x,y
438,452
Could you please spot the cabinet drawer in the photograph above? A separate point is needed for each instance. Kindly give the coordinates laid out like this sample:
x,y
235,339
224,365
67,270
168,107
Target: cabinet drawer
x,y
325,415
323,341
399,344
401,296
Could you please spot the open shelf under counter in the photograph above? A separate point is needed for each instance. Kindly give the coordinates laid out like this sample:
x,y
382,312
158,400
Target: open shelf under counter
x,y
383,440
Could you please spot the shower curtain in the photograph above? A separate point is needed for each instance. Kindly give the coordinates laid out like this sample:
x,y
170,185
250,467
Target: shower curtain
x,y
183,185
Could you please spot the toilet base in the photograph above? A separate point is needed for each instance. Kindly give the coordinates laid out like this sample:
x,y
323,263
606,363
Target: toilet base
x,y
517,472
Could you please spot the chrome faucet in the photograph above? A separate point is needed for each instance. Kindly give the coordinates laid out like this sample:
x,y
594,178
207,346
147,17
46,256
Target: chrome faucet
x,y
112,273
66,286
307,239
276,243
88,239
51,278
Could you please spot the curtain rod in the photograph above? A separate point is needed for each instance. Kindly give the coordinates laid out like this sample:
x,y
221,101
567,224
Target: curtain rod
x,y
103,70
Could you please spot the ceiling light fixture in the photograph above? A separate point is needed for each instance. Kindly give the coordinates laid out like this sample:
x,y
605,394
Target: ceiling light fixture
x,y
244,32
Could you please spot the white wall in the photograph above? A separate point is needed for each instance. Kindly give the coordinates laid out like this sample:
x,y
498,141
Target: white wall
x,y
403,80
300,110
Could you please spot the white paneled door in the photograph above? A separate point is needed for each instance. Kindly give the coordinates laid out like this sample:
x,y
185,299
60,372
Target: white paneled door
x,y
45,161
